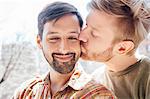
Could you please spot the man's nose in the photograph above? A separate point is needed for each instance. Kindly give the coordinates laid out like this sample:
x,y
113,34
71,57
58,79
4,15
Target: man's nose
x,y
64,47
83,36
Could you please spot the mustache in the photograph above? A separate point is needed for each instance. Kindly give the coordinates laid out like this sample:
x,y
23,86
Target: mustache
x,y
69,53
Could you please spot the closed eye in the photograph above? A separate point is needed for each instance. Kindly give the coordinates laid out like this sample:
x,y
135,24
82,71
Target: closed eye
x,y
93,34
73,38
55,39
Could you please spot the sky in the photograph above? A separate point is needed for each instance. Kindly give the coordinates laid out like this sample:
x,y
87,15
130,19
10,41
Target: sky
x,y
20,17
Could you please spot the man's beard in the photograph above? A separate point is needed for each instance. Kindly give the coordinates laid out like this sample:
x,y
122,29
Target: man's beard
x,y
106,55
103,56
63,67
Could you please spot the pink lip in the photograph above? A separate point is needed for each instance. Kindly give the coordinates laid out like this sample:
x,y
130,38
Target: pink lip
x,y
83,49
63,58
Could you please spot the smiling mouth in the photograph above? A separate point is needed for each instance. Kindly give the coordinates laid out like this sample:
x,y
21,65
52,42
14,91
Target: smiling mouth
x,y
63,58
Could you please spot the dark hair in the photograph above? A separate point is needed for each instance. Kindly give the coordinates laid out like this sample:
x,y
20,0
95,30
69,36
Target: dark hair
x,y
55,11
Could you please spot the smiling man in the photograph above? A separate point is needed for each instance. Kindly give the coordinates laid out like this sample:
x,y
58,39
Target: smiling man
x,y
59,25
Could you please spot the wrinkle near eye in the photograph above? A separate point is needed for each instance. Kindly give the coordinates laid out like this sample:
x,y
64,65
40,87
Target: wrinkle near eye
x,y
74,37
53,39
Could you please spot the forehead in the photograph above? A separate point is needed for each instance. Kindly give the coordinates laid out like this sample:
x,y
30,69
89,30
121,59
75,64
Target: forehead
x,y
101,19
66,23
106,24
67,20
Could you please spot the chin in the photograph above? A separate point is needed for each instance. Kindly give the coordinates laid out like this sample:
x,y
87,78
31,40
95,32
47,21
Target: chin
x,y
64,73
85,57
90,57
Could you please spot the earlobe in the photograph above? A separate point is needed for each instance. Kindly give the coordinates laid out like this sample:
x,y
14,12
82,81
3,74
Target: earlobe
x,y
39,41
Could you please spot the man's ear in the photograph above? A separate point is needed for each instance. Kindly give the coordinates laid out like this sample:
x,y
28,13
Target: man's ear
x,y
124,47
39,41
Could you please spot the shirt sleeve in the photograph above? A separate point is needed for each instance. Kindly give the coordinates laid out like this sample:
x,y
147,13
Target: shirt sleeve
x,y
25,89
94,91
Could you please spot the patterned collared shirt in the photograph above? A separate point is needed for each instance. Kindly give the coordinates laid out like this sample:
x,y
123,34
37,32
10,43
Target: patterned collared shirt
x,y
79,86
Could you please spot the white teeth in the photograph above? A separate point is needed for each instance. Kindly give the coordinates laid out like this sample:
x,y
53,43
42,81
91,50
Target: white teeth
x,y
63,58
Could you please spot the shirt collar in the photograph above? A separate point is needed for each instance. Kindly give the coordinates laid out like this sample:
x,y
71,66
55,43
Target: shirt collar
x,y
77,81
79,78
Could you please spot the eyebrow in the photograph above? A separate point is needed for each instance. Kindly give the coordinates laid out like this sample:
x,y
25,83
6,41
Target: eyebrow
x,y
74,32
52,33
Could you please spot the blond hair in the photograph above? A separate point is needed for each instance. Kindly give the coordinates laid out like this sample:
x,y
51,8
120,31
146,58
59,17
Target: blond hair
x,y
133,16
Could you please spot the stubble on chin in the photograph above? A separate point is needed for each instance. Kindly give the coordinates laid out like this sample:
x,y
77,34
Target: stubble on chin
x,y
84,56
104,56
63,67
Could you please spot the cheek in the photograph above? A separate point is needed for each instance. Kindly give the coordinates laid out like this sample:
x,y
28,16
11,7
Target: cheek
x,y
49,49
93,44
102,43
76,48
48,54
52,46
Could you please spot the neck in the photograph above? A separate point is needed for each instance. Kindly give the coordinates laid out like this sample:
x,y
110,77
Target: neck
x,y
121,63
58,81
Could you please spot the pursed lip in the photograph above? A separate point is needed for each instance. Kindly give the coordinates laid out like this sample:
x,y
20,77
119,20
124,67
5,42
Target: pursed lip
x,y
83,48
63,58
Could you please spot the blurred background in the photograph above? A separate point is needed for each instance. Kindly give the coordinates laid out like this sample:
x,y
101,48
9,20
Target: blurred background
x,y
20,59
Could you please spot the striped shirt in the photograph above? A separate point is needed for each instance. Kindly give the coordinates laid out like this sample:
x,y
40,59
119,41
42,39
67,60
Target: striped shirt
x,y
79,86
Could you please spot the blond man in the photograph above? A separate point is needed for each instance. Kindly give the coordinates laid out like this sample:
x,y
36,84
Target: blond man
x,y
113,32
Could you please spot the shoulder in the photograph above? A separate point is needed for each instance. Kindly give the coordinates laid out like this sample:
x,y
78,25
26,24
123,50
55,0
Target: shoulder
x,y
27,87
145,63
94,90
98,74
146,60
